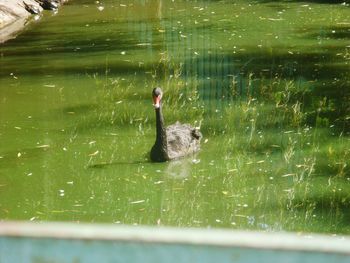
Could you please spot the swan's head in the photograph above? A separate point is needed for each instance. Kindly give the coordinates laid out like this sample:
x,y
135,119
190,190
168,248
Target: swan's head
x,y
157,94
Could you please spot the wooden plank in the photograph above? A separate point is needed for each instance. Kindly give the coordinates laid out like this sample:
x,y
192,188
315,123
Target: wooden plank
x,y
67,242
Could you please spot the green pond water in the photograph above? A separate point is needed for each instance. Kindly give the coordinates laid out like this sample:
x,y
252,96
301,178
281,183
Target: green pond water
x,y
268,83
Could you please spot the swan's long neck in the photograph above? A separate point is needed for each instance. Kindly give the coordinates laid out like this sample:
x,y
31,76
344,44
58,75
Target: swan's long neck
x,y
159,151
161,139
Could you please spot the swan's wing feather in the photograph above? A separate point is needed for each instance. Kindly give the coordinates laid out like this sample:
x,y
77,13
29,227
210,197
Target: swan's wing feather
x,y
182,139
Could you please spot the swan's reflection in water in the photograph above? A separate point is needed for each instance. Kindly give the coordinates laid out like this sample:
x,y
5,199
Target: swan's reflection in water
x,y
181,168
179,192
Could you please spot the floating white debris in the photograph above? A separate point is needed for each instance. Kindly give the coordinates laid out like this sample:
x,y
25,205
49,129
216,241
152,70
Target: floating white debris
x,y
159,182
42,146
137,202
93,154
29,174
286,175
18,128
196,161
100,8
275,19
19,154
70,182
144,44
123,52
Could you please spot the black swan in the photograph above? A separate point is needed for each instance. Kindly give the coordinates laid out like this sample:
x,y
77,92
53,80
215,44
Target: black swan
x,y
34,10
49,4
174,141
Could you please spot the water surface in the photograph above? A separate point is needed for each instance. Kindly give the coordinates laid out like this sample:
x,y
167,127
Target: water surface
x,y
267,81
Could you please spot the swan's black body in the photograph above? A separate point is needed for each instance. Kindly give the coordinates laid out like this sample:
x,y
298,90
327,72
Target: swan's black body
x,y
34,10
49,4
174,141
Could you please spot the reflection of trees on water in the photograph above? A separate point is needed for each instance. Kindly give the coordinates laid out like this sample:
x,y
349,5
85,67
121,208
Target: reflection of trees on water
x,y
222,73
226,71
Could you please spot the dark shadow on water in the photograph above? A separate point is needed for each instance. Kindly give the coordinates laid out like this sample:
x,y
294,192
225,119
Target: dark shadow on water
x,y
177,169
20,156
42,68
83,108
316,75
116,163
334,32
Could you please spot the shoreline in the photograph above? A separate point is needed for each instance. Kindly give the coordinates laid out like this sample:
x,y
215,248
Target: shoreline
x,y
14,17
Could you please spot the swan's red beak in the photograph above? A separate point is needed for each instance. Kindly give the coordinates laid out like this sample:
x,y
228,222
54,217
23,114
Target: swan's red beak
x,y
156,101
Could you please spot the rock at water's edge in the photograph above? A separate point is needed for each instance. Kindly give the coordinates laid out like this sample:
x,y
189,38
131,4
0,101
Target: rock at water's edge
x,y
13,16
